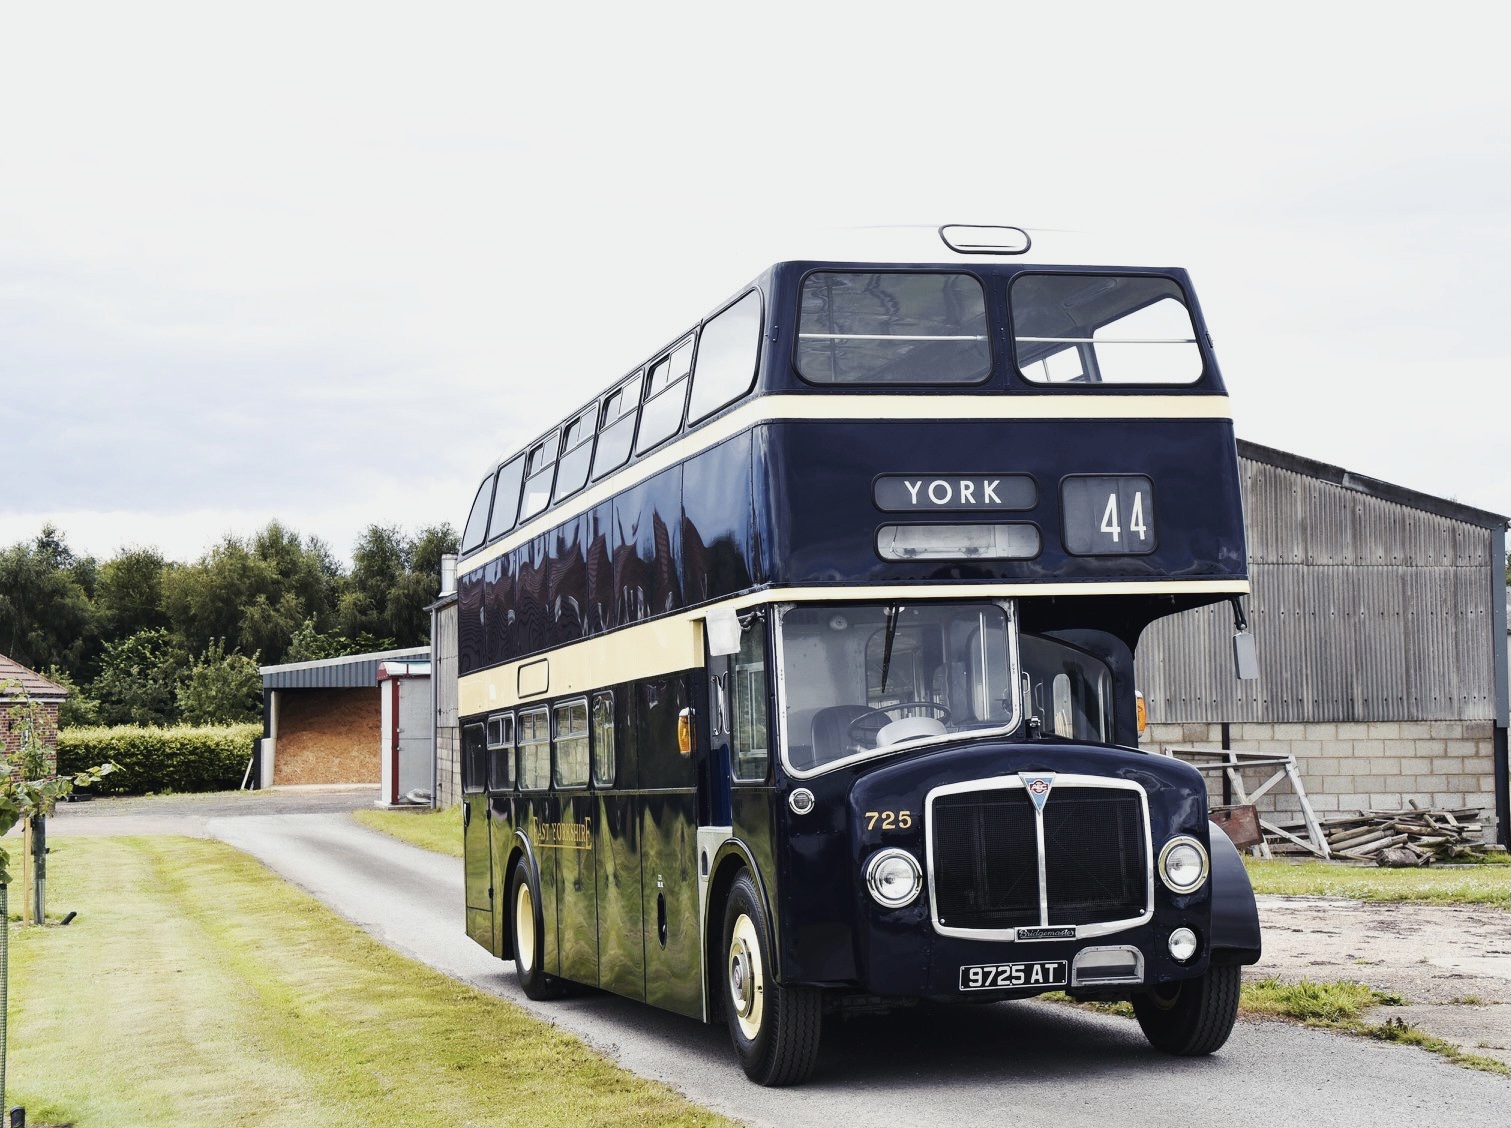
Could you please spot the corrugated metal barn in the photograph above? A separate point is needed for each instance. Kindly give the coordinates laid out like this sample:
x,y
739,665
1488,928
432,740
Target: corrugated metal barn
x,y
1380,618
323,720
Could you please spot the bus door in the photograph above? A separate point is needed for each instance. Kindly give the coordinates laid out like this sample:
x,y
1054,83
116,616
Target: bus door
x,y
477,849
616,844
537,815
669,846
572,843
716,723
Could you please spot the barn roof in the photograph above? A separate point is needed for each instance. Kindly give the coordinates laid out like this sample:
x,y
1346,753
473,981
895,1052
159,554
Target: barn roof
x,y
348,672
1374,487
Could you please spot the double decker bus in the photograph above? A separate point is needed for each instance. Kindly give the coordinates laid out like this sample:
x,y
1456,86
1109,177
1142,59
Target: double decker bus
x,y
797,668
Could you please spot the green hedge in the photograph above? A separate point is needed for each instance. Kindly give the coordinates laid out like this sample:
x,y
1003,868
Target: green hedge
x,y
181,758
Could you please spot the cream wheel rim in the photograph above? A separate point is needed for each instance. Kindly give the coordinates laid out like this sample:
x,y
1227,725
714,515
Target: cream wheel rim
x,y
524,926
747,979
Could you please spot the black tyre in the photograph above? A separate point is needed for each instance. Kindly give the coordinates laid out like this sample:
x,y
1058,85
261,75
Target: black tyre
x,y
775,1029
1193,1017
529,939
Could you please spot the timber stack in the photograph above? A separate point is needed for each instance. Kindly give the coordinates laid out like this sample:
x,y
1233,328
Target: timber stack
x,y
1413,836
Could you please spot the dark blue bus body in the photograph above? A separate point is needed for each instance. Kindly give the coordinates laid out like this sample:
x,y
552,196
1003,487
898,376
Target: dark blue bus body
x,y
913,770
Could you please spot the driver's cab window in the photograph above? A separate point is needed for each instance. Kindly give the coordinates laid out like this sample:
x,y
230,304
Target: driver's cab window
x,y
1068,691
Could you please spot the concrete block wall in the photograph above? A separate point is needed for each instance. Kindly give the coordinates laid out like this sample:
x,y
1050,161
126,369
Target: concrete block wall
x,y
1379,765
448,764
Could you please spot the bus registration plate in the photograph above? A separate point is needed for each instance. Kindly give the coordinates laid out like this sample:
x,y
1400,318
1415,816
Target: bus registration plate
x,y
1033,973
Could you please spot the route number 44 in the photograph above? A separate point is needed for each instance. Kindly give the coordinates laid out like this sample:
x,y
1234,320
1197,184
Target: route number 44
x,y
1112,522
1108,514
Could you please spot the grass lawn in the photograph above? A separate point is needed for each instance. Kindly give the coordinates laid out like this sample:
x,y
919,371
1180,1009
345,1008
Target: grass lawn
x,y
1479,884
196,988
440,830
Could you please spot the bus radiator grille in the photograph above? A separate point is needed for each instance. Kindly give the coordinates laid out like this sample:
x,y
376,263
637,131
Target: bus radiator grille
x,y
986,865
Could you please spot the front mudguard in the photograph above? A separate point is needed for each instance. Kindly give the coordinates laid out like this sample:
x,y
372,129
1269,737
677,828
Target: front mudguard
x,y
1235,913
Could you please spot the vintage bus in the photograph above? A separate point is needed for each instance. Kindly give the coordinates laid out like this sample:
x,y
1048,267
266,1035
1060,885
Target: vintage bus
x,y
796,668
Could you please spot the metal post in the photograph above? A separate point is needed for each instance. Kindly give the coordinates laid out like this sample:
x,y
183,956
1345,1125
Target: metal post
x,y
39,867
26,886
4,979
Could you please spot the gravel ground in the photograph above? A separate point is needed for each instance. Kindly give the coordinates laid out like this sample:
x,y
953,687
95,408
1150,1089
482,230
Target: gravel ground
x,y
1452,963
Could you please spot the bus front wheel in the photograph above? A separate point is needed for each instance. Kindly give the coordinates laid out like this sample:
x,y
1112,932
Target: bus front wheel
x,y
529,940
1193,1017
775,1029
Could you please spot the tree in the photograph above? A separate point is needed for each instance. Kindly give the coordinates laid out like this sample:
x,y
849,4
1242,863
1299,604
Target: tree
x,y
46,617
28,784
253,595
394,578
221,689
28,788
78,709
129,595
138,682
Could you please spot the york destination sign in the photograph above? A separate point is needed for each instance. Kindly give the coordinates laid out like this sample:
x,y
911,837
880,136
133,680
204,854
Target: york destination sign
x,y
953,493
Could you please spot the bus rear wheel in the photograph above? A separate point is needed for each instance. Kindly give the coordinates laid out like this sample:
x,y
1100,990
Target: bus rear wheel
x,y
775,1029
529,939
1194,1017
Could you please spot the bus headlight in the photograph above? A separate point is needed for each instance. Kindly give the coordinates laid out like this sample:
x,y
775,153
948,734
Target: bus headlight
x,y
1183,864
894,878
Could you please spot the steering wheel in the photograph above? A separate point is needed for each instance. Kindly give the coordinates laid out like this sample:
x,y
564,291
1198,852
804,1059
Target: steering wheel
x,y
863,729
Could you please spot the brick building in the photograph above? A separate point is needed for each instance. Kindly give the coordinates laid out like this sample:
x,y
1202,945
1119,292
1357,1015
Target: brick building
x,y
17,684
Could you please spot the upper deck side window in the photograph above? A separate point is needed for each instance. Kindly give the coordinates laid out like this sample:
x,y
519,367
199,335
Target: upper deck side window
x,y
616,426
665,397
728,349
1103,329
476,529
506,498
576,454
892,328
540,466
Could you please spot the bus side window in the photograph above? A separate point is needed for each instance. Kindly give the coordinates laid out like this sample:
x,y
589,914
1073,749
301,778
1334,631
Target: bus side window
x,y
749,742
572,744
474,758
501,752
540,468
728,349
506,498
477,520
576,452
616,426
665,397
603,740
535,749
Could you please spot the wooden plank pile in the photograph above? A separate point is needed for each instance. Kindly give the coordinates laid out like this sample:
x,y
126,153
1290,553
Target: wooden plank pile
x,y
1413,836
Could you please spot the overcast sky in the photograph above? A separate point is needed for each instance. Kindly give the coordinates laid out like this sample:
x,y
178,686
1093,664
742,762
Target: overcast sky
x,y
328,262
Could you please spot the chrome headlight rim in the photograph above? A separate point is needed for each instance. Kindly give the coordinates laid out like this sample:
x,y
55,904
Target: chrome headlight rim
x,y
874,878
1203,869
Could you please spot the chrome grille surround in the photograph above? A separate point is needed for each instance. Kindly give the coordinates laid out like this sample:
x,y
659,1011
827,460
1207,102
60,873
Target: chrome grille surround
x,y
1009,848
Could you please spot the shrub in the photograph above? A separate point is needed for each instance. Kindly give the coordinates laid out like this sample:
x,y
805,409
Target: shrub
x,y
180,758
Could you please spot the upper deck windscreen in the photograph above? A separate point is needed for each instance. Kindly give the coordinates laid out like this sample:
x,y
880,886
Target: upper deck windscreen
x,y
892,328
1103,329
